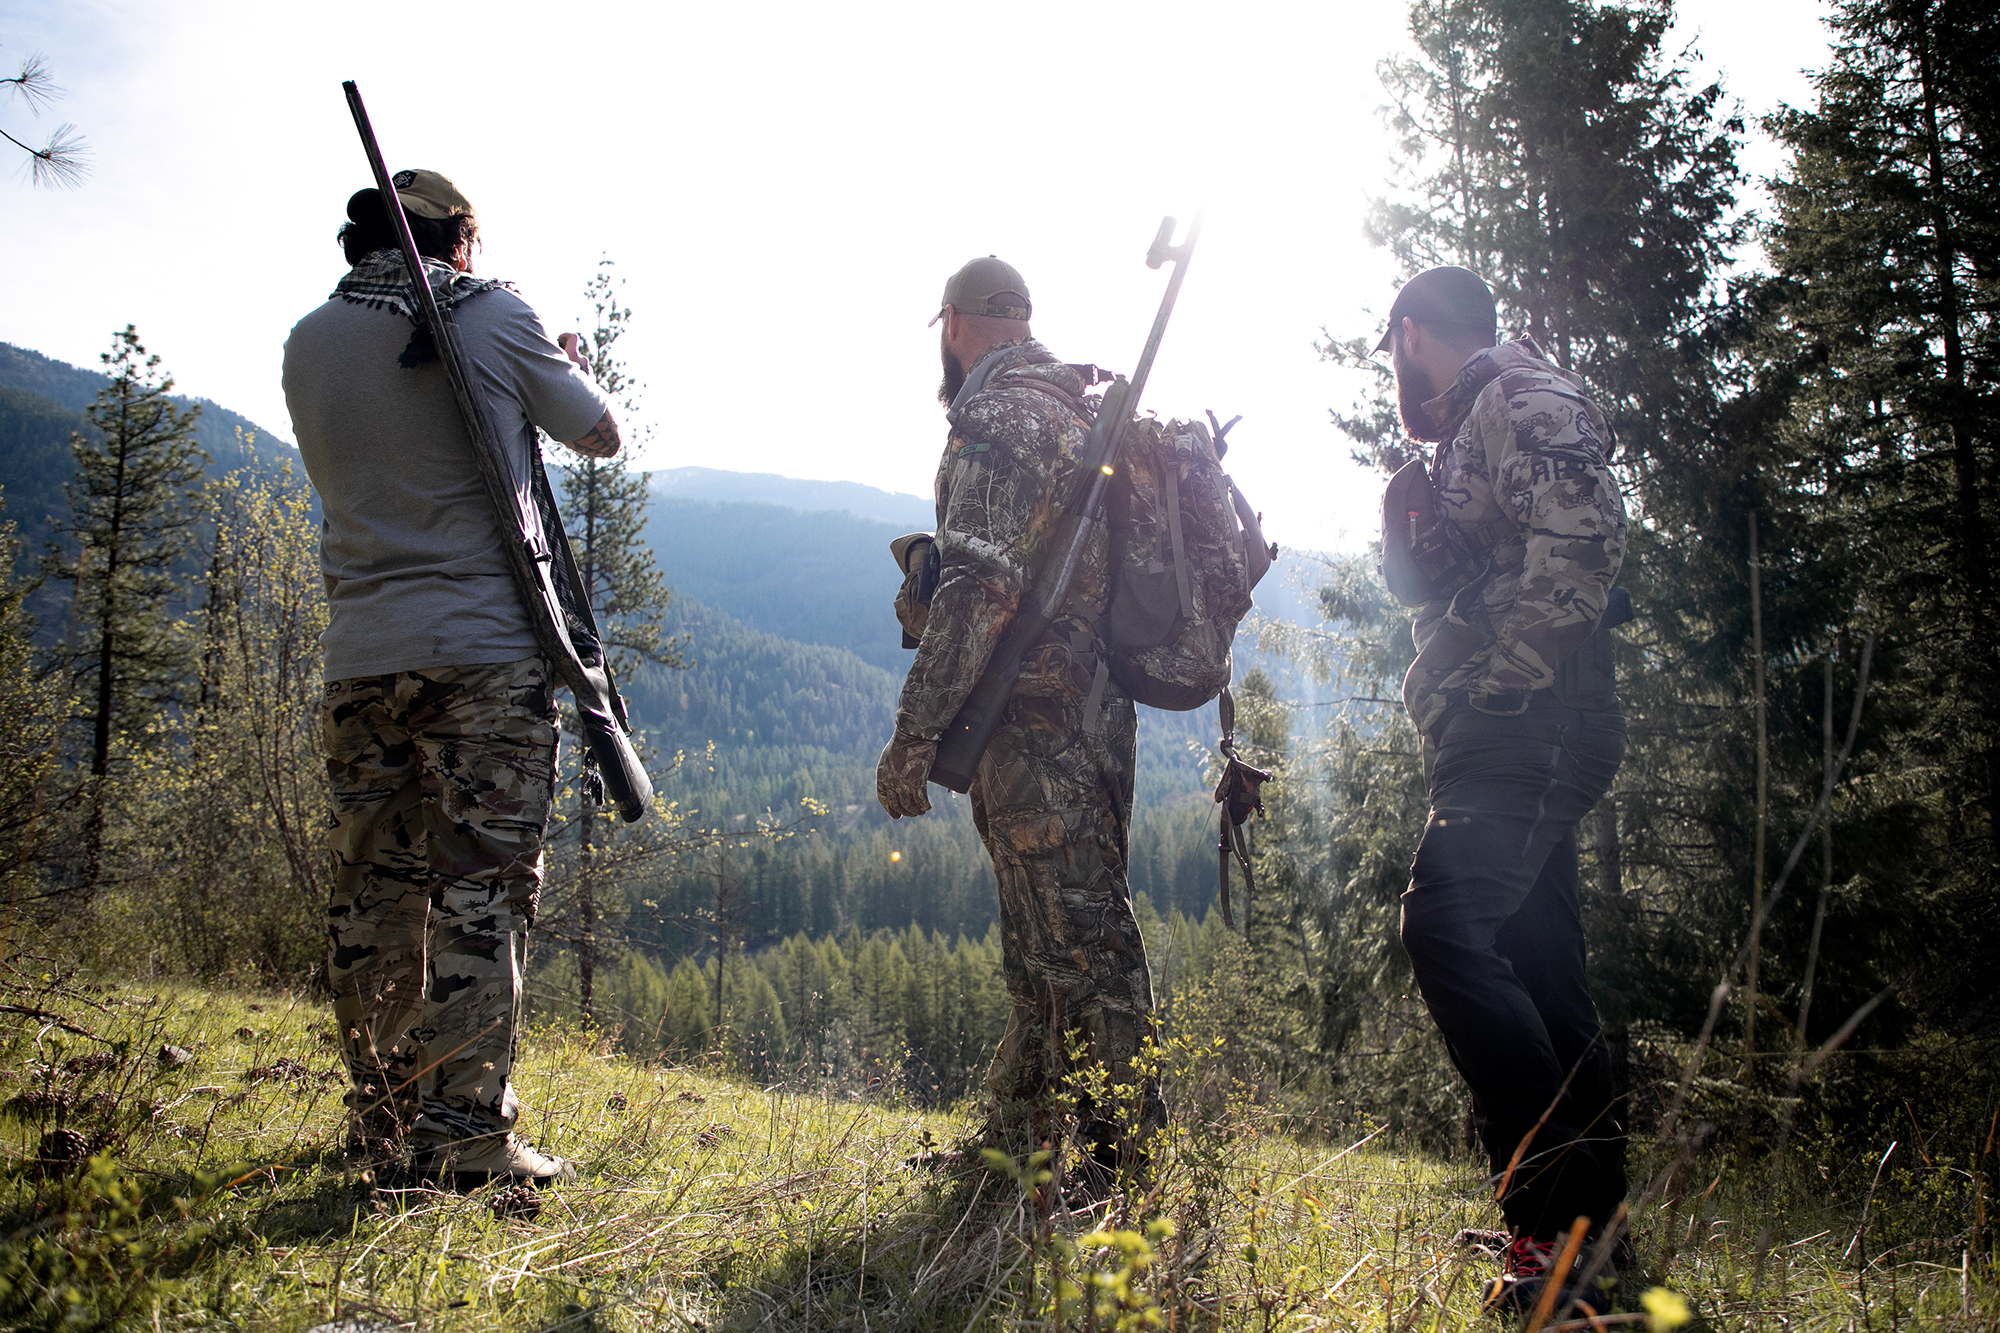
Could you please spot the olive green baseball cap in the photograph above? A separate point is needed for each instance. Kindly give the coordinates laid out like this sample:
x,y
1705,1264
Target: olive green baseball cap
x,y
986,286
424,194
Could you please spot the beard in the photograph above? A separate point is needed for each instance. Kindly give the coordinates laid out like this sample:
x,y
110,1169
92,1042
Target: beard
x,y
1413,390
1410,399
954,378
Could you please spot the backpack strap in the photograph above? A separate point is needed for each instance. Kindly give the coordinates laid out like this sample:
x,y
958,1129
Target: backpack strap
x,y
1170,464
1083,651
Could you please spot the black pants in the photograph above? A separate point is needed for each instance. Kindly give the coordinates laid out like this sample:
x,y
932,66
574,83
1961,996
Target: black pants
x,y
1492,928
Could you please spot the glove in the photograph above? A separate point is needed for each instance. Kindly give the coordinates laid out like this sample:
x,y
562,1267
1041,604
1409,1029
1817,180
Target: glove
x,y
900,776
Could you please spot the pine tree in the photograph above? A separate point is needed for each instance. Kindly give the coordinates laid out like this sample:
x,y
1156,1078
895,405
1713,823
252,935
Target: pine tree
x,y
1549,146
130,523
1881,326
604,510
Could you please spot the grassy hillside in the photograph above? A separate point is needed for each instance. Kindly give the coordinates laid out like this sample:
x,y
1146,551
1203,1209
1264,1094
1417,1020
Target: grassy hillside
x,y
218,1197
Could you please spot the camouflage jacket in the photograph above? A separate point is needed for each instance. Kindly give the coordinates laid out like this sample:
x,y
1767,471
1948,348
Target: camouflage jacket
x,y
1010,466
1522,471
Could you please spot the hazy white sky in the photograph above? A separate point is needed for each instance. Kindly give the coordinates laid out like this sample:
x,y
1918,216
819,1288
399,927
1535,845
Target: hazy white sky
x,y
784,185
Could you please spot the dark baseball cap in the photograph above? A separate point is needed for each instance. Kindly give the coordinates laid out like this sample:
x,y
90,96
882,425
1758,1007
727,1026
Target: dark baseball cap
x,y
1447,294
986,286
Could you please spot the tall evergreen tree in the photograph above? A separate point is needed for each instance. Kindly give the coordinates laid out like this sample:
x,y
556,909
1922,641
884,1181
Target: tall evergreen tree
x,y
1880,322
604,509
1551,147
130,523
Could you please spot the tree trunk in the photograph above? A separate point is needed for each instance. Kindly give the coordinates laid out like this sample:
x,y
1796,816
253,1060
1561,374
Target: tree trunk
x,y
1757,854
1975,552
107,656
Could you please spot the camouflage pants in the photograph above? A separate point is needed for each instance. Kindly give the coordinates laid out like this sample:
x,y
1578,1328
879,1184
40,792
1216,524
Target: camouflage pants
x,y
441,782
1054,808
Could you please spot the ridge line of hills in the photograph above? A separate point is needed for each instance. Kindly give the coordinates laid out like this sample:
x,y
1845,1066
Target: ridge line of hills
x,y
785,587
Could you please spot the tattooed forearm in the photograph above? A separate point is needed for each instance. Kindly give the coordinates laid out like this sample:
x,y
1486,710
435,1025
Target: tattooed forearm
x,y
602,442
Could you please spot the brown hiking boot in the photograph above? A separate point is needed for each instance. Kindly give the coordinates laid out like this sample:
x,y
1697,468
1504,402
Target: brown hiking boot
x,y
468,1164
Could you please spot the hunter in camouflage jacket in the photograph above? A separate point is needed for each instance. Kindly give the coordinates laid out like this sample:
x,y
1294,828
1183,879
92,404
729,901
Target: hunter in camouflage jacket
x,y
1522,473
1052,797
1009,466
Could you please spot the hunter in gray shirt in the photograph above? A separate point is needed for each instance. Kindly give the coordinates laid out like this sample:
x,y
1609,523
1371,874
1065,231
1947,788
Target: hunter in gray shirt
x,y
410,547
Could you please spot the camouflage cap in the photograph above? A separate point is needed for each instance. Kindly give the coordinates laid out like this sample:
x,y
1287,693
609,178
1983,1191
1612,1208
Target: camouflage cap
x,y
986,286
423,194
1447,295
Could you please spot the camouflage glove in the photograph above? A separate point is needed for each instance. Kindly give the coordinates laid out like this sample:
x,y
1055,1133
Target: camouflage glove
x,y
901,774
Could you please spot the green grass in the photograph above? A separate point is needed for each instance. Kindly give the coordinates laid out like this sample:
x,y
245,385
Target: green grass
x,y
220,1199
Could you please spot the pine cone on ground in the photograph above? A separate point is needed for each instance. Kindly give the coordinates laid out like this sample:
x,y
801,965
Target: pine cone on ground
x,y
61,1152
616,1102
90,1064
41,1103
522,1201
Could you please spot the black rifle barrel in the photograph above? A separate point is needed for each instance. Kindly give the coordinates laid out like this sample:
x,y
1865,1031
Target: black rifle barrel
x,y
964,742
598,708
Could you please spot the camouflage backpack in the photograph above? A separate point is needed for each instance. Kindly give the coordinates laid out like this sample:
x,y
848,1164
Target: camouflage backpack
x,y
1186,550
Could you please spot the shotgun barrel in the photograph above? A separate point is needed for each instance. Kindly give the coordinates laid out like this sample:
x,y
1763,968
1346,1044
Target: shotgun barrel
x,y
544,568
964,742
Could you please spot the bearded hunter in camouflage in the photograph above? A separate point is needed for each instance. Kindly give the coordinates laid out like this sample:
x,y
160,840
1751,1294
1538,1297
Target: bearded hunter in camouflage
x,y
1521,471
1052,797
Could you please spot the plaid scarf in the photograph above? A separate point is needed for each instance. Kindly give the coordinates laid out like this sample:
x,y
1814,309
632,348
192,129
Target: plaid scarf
x,y
380,282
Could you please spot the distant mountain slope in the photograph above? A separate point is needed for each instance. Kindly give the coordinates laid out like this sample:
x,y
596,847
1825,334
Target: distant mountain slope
x,y
818,577
76,388
789,719
906,513
42,402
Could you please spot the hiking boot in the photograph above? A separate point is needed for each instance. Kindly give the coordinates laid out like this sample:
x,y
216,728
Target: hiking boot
x,y
468,1164
1525,1267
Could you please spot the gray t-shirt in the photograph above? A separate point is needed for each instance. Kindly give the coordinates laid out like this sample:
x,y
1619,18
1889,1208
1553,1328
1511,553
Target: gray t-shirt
x,y
410,547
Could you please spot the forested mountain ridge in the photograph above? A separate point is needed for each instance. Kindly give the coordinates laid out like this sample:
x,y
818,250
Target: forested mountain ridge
x,y
822,576
42,401
904,512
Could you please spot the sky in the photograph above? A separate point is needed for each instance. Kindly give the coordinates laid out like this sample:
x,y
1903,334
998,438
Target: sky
x,y
783,188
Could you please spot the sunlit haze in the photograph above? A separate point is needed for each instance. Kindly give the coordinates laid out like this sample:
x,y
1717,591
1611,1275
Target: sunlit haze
x,y
784,187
